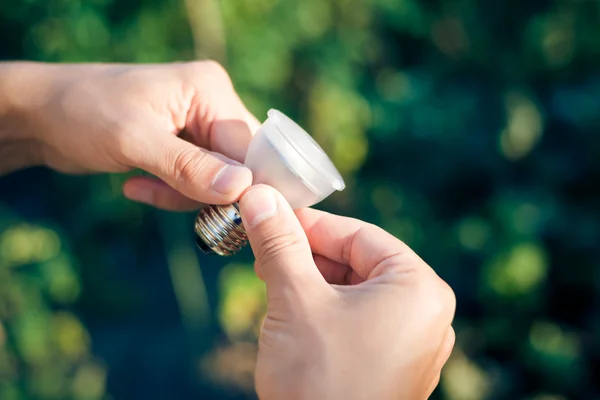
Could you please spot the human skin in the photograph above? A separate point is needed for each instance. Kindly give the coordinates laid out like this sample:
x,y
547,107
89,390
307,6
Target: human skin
x,y
183,123
353,313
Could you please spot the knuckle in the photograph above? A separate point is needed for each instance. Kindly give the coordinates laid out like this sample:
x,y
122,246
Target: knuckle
x,y
436,298
186,164
195,68
276,243
442,299
451,338
448,297
215,69
403,268
209,70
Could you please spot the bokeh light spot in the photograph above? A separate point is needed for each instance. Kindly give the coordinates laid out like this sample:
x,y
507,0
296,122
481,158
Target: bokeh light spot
x,y
524,126
243,300
518,272
463,379
23,244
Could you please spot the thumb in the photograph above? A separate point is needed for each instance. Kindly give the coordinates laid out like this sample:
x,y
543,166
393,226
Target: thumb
x,y
199,174
283,256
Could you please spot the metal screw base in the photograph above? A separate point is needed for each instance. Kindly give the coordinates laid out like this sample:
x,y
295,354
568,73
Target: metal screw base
x,y
219,230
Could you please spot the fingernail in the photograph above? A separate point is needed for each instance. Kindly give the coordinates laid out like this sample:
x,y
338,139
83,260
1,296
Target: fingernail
x,y
231,178
258,205
139,194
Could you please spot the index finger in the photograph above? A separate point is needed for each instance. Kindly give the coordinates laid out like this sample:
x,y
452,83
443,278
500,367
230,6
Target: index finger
x,y
217,118
366,248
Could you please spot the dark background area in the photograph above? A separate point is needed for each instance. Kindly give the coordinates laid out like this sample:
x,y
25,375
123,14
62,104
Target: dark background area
x,y
469,129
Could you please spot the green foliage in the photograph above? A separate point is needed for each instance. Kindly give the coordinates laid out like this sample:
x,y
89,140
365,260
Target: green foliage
x,y
35,336
468,129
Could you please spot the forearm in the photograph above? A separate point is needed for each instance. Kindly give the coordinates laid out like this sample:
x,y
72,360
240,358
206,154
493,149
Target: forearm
x,y
24,87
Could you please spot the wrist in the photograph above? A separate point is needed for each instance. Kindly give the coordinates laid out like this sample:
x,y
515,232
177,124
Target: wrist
x,y
24,89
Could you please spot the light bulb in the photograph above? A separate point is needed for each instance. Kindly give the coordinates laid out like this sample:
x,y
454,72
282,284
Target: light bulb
x,y
281,155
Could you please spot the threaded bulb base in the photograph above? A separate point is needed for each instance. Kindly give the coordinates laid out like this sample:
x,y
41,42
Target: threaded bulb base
x,y
219,230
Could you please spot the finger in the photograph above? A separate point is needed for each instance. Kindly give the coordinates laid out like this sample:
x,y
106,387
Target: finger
x,y
230,137
434,384
283,255
336,273
253,123
217,118
442,357
332,271
157,193
446,349
196,173
368,249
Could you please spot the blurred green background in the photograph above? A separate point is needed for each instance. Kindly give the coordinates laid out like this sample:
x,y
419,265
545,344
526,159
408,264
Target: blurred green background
x,y
469,129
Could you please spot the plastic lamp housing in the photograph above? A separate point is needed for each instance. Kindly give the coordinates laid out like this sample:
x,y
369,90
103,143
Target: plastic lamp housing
x,y
284,156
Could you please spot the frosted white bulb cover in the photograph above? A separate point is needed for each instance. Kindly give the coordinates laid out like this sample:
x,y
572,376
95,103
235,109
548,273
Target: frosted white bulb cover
x,y
286,157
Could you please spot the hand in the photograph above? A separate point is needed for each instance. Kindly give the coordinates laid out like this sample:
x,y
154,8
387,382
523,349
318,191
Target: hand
x,y
352,312
183,123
